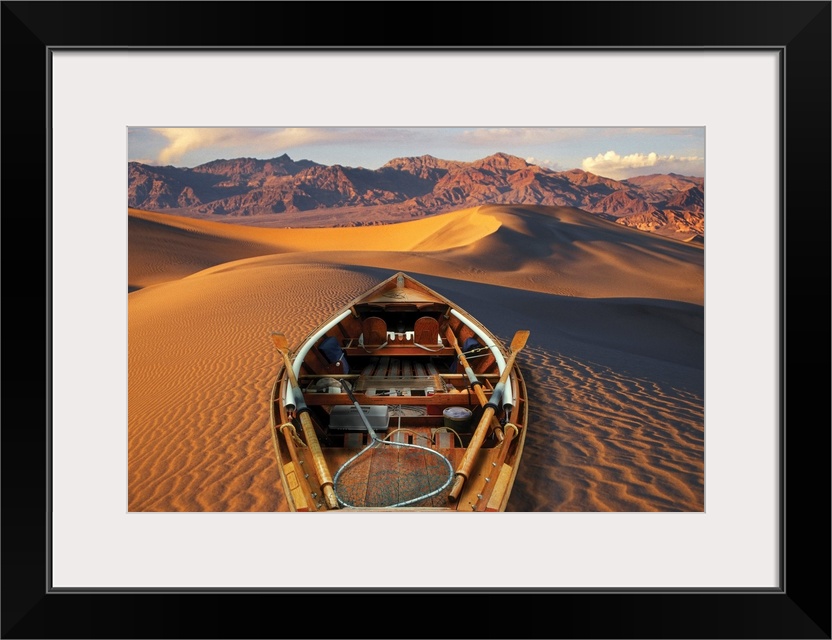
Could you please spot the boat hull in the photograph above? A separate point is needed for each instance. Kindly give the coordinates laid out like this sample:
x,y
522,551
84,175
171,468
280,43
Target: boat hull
x,y
398,371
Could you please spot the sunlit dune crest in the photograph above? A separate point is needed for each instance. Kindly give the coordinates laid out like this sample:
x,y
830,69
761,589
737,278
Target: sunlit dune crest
x,y
152,232
614,363
559,250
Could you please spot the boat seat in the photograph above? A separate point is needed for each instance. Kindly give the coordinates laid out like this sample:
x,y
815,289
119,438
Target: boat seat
x,y
375,331
426,331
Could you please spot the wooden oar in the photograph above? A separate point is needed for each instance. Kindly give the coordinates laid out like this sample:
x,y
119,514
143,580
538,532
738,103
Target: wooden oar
x,y
464,469
476,385
324,477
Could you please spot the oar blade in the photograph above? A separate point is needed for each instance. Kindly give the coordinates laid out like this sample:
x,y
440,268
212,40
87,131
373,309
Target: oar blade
x,y
449,333
282,345
280,341
519,340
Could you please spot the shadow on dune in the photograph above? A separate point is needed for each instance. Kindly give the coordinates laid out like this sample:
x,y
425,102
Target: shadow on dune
x,y
665,330
161,252
616,396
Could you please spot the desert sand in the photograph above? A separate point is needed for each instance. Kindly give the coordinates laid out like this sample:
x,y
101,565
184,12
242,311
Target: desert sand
x,y
614,363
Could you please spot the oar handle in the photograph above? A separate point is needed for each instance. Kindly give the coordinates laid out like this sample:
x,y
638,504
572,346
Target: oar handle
x,y
311,438
464,469
320,462
472,377
467,462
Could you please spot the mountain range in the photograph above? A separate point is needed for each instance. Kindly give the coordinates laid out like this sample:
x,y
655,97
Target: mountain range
x,y
282,190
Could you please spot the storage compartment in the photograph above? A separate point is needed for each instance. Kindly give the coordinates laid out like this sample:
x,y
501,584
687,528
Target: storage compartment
x,y
345,417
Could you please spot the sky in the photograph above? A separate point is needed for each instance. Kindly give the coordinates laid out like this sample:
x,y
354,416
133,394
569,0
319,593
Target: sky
x,y
616,153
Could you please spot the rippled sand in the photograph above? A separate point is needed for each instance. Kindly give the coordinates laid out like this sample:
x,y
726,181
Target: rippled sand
x,y
614,362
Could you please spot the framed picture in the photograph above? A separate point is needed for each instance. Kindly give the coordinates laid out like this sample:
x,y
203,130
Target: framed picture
x,y
754,75
511,236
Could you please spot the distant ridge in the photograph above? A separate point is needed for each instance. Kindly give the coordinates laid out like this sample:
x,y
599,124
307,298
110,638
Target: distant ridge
x,y
412,187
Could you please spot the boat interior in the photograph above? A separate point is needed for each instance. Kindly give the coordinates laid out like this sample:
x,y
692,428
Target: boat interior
x,y
404,371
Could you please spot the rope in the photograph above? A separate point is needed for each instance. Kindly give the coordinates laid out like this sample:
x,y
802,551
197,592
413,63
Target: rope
x,y
469,355
513,426
437,430
410,431
361,344
426,348
295,438
433,433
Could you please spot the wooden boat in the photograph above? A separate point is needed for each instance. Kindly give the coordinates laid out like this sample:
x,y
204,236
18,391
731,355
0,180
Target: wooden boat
x,y
401,400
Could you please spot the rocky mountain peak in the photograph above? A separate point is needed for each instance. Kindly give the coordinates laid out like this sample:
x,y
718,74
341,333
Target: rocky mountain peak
x,y
410,187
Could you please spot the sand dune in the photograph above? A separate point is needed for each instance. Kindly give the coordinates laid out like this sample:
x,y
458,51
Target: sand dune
x,y
614,364
178,245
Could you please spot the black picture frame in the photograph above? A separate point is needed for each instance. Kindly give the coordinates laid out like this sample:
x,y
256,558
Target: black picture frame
x,y
799,608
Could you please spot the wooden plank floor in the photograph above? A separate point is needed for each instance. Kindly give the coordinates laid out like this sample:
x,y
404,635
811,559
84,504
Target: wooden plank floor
x,y
338,456
414,463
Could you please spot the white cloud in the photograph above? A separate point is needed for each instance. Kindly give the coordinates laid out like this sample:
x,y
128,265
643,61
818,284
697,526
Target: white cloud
x,y
554,165
613,165
519,135
182,141
185,144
